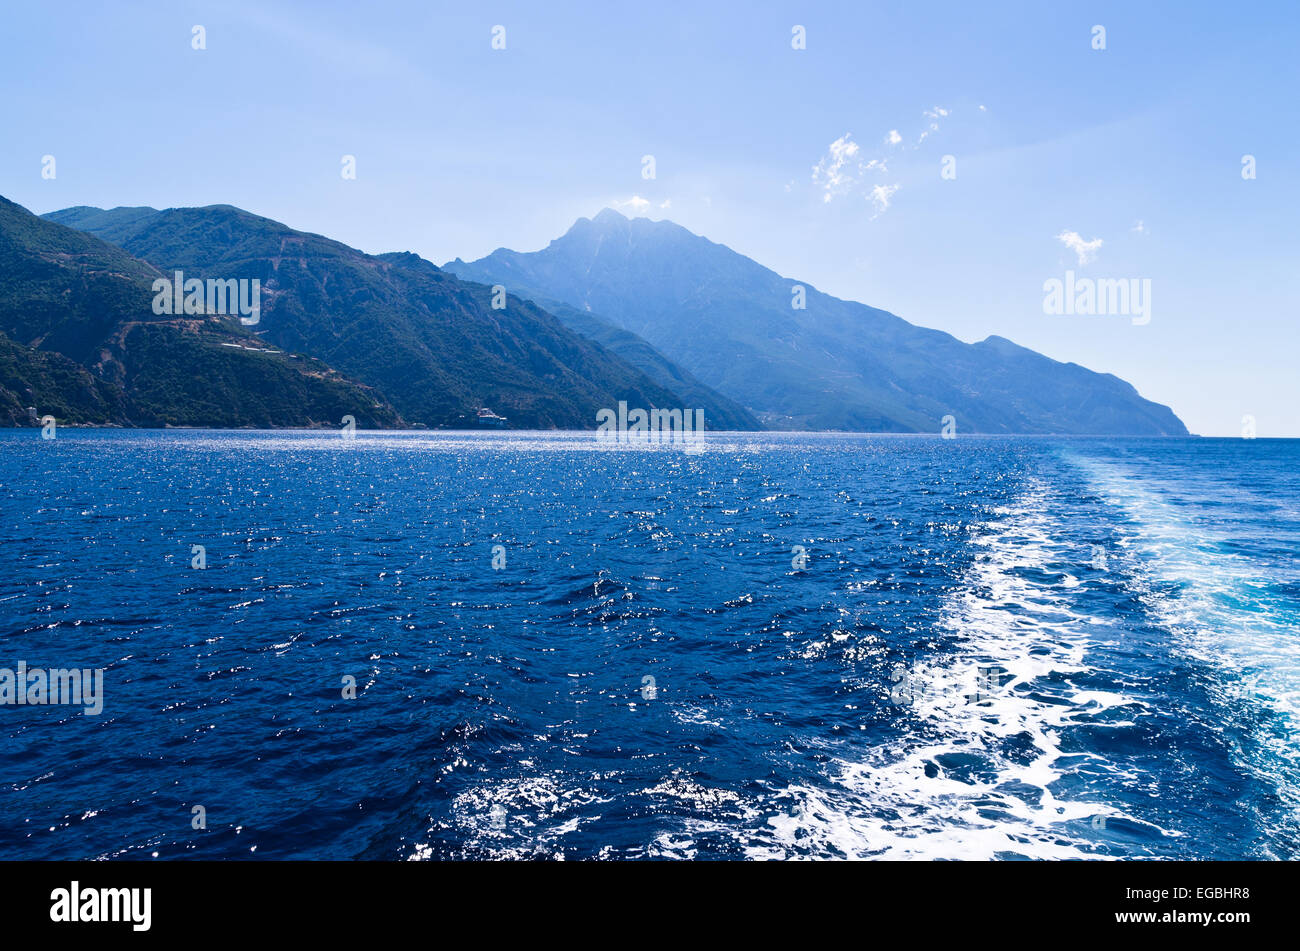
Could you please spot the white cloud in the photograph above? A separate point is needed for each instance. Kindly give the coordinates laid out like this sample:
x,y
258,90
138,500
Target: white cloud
x,y
880,196
934,115
1139,227
844,166
636,203
834,172
1084,250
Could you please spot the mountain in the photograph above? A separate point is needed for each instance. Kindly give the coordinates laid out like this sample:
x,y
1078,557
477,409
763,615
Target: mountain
x,y
51,384
81,342
433,344
719,411
835,364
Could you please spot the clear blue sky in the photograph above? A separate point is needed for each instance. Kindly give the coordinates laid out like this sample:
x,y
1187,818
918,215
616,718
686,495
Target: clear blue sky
x,y
461,149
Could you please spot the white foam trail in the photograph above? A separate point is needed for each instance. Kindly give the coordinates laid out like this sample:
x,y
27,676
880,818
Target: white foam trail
x,y
903,803
1222,618
518,818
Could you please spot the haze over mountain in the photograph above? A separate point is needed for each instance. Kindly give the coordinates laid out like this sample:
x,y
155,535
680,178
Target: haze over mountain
x,y
430,342
834,364
79,341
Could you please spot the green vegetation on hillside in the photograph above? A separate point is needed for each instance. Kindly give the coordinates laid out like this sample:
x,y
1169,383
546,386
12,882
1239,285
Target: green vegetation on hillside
x,y
432,344
81,343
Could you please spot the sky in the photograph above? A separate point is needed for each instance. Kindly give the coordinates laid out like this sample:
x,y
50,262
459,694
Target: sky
x,y
937,160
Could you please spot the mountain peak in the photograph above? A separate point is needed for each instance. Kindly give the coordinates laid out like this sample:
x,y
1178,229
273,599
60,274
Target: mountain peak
x,y
828,364
596,228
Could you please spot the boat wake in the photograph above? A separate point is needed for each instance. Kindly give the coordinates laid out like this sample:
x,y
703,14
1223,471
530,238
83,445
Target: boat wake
x,y
981,769
1231,616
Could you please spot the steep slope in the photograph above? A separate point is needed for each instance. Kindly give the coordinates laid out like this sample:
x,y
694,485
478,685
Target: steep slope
x,y
51,384
69,300
833,365
432,343
719,412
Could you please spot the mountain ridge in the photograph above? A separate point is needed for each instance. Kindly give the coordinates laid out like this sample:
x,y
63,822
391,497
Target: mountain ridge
x,y
833,364
81,339
432,343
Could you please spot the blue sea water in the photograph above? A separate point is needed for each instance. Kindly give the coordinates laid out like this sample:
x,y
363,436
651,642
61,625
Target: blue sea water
x,y
996,648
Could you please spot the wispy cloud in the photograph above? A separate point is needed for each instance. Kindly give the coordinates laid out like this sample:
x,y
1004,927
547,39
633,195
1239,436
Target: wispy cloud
x,y
933,115
636,204
845,167
836,171
842,169
1084,250
880,196
347,50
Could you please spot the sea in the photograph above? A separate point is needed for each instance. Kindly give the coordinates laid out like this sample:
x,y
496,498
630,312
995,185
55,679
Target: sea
x,y
441,645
